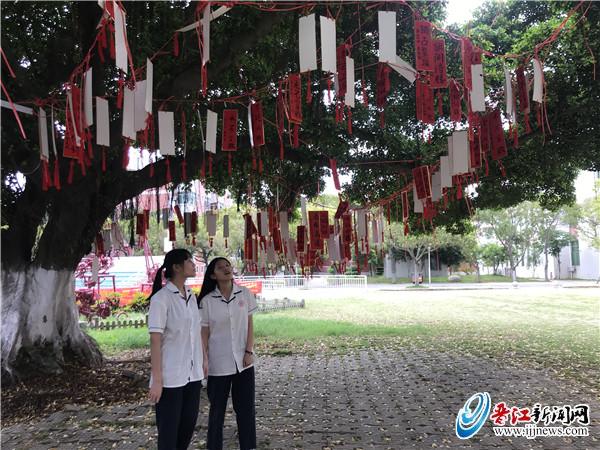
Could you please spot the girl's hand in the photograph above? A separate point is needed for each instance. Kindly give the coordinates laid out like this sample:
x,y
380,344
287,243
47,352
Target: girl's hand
x,y
248,359
155,391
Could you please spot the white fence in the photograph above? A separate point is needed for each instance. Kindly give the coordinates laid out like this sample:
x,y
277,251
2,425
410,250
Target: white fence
x,y
316,281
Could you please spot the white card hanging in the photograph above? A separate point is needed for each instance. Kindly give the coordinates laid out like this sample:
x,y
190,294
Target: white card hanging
x,y
225,226
361,226
303,209
211,131
250,125
149,84
350,93
166,133
88,99
308,43
129,113
211,223
140,113
375,231
43,134
436,186
284,226
70,103
52,131
95,268
206,35
102,122
460,152
404,69
333,246
477,94
264,222
387,36
538,81
120,38
418,204
328,47
508,95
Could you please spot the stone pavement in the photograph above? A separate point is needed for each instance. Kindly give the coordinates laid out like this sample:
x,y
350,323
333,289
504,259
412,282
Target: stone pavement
x,y
369,399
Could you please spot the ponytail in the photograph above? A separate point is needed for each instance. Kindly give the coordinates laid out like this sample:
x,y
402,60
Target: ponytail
x,y
175,256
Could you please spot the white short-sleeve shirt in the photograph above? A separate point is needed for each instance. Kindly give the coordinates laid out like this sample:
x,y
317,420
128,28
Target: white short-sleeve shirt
x,y
227,320
177,318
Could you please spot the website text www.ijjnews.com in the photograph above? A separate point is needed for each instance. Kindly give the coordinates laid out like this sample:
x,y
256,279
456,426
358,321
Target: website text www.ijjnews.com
x,y
531,431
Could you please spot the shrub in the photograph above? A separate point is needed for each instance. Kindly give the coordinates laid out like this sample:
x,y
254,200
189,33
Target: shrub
x,y
140,303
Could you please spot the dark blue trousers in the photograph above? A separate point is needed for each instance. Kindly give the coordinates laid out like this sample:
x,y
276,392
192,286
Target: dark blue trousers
x,y
241,386
176,415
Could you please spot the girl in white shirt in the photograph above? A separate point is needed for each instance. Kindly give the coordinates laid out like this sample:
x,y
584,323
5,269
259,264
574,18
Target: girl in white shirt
x,y
176,352
228,339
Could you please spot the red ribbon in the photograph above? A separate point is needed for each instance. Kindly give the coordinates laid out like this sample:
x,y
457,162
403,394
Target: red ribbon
x,y
56,174
176,44
71,172
168,163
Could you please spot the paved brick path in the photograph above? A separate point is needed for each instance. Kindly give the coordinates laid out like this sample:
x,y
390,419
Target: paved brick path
x,y
379,399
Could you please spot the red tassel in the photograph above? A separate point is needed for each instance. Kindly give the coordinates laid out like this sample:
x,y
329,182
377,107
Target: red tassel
x,y
308,89
111,41
176,44
334,173
210,165
204,74
184,170
45,176
229,163
71,171
349,116
527,124
125,159
296,137
56,174
82,167
168,163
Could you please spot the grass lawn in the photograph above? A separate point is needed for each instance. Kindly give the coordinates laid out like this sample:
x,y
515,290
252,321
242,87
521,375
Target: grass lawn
x,y
380,279
555,328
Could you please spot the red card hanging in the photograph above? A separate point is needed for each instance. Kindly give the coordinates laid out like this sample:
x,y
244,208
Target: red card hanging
x,y
466,48
258,128
439,78
455,102
334,173
422,180
277,241
300,238
425,102
73,142
383,88
499,149
248,249
230,124
484,133
324,225
250,228
295,98
346,229
475,149
178,214
140,226
172,236
423,45
523,96
194,226
313,226
341,71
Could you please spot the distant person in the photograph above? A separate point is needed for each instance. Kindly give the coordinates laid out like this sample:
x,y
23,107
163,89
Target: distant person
x,y
228,339
176,352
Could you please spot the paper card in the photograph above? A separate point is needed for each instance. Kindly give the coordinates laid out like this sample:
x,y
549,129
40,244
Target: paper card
x,y
128,113
166,133
120,39
422,181
439,78
72,115
445,172
361,225
140,113
423,45
230,128
333,247
303,209
328,47
283,225
225,226
308,43
295,98
211,131
149,84
460,152
436,186
466,47
350,93
205,22
375,230
498,141
404,69
340,77
418,204
43,134
88,99
211,219
102,122
387,36
538,81
455,102
95,268
477,93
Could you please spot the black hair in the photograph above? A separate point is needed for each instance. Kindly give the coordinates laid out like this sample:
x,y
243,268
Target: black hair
x,y
175,256
208,284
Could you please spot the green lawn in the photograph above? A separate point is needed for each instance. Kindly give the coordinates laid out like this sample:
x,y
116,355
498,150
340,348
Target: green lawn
x,y
380,279
555,328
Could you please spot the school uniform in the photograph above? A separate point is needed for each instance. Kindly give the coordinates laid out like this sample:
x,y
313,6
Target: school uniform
x,y
177,318
227,319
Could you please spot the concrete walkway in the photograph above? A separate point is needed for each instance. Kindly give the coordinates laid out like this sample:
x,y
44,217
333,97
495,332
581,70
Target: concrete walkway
x,y
370,399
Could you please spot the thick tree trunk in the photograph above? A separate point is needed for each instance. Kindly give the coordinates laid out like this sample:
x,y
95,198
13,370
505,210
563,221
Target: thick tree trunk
x,y
40,324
